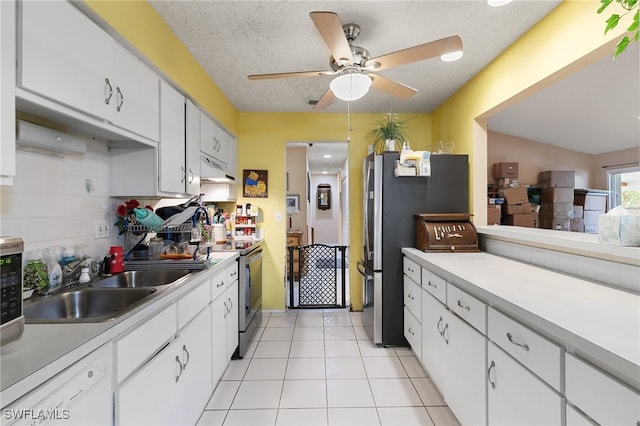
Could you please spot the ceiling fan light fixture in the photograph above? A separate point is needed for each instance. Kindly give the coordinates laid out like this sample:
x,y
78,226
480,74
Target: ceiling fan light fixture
x,y
451,56
350,86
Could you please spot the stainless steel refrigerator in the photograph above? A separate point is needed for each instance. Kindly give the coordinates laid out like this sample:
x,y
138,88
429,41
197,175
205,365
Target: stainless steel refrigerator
x,y
389,206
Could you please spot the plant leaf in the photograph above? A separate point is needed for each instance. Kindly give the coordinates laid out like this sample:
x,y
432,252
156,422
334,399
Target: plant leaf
x,y
637,36
634,24
622,45
612,22
604,4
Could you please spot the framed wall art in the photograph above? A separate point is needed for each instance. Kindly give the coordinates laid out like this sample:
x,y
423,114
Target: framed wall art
x,y
255,183
293,204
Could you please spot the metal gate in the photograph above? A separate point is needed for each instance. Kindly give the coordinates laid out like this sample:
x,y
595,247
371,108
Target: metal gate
x,y
318,280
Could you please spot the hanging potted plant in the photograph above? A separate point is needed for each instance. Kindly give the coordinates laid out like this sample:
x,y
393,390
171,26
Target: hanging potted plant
x,y
389,134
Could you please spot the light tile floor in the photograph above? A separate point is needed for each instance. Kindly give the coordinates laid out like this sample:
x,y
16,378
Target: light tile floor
x,y
318,367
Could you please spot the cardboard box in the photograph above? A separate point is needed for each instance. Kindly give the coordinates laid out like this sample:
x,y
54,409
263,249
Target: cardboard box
x,y
591,217
507,182
556,211
591,200
578,212
557,179
516,195
557,195
518,208
505,170
557,224
494,213
619,230
526,220
576,225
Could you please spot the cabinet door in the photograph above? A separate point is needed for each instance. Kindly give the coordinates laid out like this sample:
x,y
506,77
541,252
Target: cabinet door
x,y
219,312
207,135
195,383
232,319
66,57
433,345
465,388
136,95
232,157
171,149
516,396
149,397
7,92
223,139
192,148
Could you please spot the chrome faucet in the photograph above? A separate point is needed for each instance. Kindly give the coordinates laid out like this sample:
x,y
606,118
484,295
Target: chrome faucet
x,y
71,271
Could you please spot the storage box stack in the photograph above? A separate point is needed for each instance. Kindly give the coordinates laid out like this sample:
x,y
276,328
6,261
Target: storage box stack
x,y
593,204
556,204
516,210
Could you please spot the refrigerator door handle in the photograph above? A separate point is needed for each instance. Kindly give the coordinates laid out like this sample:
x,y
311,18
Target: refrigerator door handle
x,y
365,204
360,269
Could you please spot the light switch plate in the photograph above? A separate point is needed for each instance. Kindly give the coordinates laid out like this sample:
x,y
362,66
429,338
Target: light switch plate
x,y
101,229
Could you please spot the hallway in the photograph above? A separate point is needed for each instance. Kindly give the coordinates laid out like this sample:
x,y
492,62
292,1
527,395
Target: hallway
x,y
318,367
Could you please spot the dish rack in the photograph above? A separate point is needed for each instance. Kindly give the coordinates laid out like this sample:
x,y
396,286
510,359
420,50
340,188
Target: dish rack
x,y
189,232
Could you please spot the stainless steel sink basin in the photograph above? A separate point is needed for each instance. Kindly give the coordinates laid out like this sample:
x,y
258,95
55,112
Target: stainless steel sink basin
x,y
133,279
85,305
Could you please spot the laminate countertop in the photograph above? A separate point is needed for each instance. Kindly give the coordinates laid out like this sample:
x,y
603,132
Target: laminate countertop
x,y
597,322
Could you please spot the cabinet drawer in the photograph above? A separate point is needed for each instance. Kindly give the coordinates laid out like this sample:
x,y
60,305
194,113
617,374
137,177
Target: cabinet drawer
x,y
434,285
232,273
218,284
540,355
467,307
602,398
413,332
411,269
144,341
192,303
412,296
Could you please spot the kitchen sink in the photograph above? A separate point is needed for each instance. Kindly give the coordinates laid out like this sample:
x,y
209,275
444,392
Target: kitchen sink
x,y
135,279
85,305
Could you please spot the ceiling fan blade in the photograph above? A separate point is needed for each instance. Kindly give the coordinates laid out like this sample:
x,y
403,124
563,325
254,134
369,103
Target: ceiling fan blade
x,y
392,87
417,53
289,74
331,31
324,101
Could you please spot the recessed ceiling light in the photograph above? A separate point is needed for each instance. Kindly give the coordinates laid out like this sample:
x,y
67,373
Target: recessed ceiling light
x,y
452,56
327,156
498,3
324,172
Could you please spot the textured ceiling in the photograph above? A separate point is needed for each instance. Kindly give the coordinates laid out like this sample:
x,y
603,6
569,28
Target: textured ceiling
x,y
587,112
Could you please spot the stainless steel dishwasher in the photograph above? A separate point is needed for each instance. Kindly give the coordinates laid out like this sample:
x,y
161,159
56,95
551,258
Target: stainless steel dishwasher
x,y
250,295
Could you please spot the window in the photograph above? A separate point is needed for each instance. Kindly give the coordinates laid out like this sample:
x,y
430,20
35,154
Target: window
x,y
624,186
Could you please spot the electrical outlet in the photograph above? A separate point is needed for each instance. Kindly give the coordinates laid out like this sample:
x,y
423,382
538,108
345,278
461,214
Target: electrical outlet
x,y
101,229
278,216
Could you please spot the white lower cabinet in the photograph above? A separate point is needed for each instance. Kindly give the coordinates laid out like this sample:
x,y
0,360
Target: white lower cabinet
x,y
224,321
174,386
516,396
454,354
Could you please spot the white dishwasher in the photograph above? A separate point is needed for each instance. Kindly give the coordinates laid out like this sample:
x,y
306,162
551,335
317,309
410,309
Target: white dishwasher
x,y
79,395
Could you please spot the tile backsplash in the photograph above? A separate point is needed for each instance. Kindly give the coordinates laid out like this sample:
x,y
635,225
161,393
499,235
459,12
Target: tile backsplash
x,y
56,200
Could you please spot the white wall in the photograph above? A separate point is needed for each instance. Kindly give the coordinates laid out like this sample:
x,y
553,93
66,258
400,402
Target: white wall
x,y
326,223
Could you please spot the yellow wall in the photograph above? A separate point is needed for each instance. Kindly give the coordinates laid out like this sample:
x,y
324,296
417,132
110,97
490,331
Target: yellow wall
x,y
262,146
570,37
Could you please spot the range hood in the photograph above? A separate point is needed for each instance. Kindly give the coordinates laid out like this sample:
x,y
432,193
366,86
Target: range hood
x,y
42,138
210,171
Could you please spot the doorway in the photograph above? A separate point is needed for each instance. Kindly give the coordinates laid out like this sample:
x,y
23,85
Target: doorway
x,y
311,166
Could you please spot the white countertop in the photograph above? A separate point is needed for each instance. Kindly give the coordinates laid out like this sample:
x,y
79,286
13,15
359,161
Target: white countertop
x,y
569,242
46,349
591,317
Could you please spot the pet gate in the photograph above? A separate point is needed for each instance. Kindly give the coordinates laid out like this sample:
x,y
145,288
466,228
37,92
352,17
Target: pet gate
x,y
316,276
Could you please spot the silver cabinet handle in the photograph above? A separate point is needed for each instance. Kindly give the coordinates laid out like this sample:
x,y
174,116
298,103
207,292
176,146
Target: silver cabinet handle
x,y
491,367
410,269
463,306
230,304
431,285
409,296
226,309
185,352
444,330
108,94
121,99
220,285
438,326
411,331
183,173
191,176
522,345
180,368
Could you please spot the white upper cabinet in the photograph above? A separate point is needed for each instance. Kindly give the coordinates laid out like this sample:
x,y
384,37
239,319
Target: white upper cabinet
x,y
213,140
67,58
171,149
192,148
7,96
232,158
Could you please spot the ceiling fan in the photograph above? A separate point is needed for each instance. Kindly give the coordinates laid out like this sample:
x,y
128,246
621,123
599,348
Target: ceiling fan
x,y
355,69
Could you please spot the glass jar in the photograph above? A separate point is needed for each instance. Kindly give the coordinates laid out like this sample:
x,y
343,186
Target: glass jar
x,y
155,248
